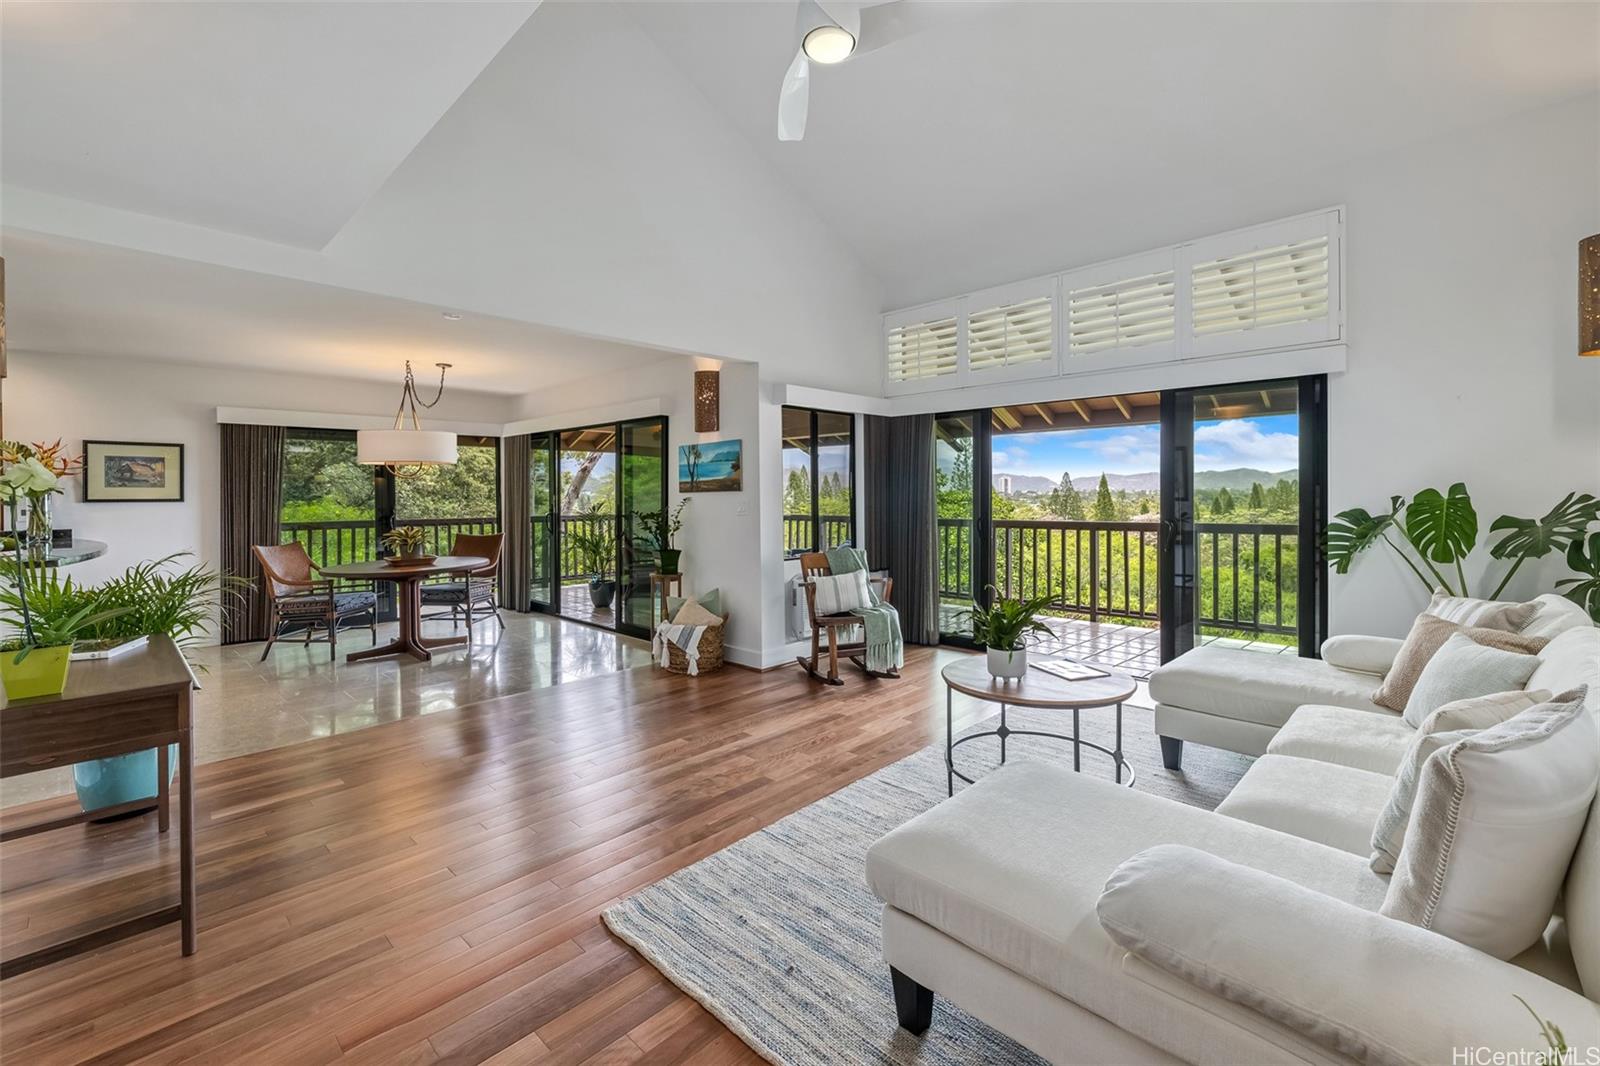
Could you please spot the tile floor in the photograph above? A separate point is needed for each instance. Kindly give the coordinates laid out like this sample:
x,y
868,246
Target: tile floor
x,y
1132,649
297,694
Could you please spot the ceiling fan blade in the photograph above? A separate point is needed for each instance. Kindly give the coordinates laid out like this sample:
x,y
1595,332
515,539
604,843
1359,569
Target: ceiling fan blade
x,y
794,98
845,14
887,23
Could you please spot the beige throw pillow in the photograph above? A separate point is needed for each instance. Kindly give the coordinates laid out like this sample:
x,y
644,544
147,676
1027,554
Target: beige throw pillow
x,y
1427,636
1497,818
1485,614
1463,669
692,614
1450,723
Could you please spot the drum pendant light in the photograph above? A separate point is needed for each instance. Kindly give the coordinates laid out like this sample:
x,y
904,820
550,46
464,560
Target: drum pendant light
x,y
405,450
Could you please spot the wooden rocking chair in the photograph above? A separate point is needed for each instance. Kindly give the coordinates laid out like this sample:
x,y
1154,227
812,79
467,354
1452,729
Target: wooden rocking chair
x,y
814,565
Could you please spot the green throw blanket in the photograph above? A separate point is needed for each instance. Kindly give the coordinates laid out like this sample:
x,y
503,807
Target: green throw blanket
x,y
881,622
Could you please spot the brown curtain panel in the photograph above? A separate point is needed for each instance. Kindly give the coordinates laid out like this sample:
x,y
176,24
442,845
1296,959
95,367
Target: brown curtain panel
x,y
515,520
902,528
252,490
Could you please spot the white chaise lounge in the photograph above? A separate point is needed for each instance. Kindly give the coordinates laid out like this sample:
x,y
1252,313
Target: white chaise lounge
x,y
990,901
1238,700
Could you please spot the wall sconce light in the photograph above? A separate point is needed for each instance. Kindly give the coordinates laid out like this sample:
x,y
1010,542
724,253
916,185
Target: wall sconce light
x,y
707,397
1589,296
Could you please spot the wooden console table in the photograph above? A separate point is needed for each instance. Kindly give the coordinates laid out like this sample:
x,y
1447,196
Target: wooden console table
x,y
137,701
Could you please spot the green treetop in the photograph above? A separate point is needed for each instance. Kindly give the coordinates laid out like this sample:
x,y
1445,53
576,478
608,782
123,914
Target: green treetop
x,y
1105,507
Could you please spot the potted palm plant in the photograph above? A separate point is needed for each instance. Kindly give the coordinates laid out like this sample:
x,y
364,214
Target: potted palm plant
x,y
594,544
1001,629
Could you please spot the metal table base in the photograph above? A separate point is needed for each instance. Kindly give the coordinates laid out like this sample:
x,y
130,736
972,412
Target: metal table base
x,y
951,742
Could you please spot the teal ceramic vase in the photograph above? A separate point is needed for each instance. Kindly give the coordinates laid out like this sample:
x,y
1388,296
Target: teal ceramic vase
x,y
121,778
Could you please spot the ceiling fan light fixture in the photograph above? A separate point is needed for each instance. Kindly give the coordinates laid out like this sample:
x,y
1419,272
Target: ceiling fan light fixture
x,y
829,44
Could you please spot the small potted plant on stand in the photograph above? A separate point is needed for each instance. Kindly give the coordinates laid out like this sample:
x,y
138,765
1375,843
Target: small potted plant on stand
x,y
1001,628
662,527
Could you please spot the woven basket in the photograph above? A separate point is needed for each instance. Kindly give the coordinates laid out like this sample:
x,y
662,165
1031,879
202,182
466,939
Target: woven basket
x,y
710,651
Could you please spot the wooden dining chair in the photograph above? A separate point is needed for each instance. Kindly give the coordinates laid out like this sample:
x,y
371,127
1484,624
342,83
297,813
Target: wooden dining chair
x,y
296,597
478,589
812,566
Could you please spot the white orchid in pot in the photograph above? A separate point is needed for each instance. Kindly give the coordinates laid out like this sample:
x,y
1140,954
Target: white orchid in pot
x,y
34,654
34,472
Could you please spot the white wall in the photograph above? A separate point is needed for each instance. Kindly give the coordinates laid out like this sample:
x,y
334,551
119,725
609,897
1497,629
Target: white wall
x,y
1463,365
75,398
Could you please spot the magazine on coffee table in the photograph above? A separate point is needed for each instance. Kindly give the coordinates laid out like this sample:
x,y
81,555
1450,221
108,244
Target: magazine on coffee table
x,y
1068,670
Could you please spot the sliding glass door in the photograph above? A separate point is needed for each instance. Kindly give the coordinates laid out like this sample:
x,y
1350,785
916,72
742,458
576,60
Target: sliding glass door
x,y
591,552
543,585
1244,476
1148,522
963,552
643,494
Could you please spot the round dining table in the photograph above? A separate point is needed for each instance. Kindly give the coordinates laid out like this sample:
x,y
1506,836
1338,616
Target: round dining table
x,y
407,578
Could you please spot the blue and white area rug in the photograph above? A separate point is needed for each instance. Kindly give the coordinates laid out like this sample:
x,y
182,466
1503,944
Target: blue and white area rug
x,y
777,935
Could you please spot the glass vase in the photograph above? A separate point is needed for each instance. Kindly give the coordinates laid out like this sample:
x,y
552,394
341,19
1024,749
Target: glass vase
x,y
40,526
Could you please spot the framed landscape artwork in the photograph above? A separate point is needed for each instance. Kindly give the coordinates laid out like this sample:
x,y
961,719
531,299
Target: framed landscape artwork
x,y
130,471
717,466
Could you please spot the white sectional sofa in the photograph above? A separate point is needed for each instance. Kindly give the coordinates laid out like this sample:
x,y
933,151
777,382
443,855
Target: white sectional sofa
x,y
990,900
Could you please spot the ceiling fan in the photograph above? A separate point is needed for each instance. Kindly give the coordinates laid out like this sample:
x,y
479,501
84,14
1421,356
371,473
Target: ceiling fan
x,y
831,31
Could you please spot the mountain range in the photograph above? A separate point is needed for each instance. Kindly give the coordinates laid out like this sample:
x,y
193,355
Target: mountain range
x,y
1235,480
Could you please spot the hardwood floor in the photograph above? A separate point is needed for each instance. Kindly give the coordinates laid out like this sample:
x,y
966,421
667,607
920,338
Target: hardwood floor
x,y
429,890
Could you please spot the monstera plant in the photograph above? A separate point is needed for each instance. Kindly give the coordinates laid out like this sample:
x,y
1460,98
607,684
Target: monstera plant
x,y
1435,531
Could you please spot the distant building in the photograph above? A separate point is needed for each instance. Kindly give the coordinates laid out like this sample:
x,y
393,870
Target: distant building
x,y
1005,484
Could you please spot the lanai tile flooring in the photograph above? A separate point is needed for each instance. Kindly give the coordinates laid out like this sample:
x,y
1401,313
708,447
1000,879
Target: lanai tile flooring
x,y
1134,650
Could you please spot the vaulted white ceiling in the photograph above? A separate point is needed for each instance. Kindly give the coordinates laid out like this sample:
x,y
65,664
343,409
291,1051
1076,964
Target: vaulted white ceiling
x,y
1030,137
274,120
613,170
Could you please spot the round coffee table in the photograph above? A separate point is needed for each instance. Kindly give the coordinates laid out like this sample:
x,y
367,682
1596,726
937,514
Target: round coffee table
x,y
970,676
408,585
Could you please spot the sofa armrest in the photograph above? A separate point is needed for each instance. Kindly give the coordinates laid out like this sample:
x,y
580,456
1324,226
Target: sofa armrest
x,y
1373,988
1363,654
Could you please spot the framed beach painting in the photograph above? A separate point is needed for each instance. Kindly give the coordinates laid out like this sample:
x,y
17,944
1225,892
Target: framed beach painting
x,y
715,466
131,471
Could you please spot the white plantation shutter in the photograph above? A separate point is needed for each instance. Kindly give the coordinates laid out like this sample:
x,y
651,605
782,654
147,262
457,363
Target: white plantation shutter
x,y
1011,336
1123,314
920,352
1271,286
1259,289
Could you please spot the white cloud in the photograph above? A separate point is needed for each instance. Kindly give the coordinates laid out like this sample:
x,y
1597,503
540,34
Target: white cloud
x,y
1240,442
1128,453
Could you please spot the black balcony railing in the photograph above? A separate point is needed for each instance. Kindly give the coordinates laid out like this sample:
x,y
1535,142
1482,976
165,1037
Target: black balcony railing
x,y
1110,569
797,532
356,540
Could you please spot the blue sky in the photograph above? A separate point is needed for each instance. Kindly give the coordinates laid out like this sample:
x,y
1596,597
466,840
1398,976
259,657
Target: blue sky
x,y
1268,443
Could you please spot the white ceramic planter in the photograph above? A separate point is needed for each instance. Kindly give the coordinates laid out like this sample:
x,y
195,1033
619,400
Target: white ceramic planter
x,y
1011,664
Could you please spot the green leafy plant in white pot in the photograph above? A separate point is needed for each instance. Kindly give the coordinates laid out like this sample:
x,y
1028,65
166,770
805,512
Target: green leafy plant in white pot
x,y
1002,628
